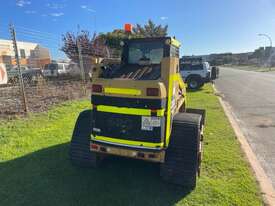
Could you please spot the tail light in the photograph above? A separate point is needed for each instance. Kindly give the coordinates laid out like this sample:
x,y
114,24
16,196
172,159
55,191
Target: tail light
x,y
97,88
152,92
94,147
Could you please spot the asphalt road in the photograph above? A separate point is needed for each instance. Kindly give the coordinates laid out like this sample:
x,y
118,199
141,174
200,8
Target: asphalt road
x,y
251,96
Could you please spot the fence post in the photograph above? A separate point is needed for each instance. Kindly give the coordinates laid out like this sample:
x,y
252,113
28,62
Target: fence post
x,y
21,82
81,65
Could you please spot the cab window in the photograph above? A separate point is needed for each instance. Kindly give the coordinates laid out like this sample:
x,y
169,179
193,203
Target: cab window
x,y
151,51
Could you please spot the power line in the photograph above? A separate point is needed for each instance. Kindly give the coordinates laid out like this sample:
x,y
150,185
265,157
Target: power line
x,y
35,31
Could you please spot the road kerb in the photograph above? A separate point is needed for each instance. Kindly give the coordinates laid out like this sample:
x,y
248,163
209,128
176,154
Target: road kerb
x,y
267,190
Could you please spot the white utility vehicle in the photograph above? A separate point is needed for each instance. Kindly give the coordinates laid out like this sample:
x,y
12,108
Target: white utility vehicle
x,y
196,72
61,69
55,69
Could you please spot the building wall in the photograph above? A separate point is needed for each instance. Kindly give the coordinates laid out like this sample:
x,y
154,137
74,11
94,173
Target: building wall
x,y
30,54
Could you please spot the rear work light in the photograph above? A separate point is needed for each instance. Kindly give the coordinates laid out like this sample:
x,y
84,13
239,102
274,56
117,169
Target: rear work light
x,y
152,92
97,88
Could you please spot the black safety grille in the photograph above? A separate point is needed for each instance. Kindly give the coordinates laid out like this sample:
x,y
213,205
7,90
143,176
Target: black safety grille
x,y
127,127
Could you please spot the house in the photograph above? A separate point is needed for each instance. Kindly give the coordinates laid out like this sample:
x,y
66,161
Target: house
x,y
30,54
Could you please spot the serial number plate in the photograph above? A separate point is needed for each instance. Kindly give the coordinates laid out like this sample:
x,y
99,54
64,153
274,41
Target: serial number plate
x,y
148,123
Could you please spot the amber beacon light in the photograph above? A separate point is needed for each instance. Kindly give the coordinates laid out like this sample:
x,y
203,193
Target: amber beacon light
x,y
128,28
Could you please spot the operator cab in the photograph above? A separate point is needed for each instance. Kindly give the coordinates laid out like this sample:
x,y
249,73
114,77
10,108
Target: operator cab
x,y
141,58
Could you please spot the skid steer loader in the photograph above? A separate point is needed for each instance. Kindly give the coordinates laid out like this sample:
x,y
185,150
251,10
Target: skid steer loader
x,y
139,111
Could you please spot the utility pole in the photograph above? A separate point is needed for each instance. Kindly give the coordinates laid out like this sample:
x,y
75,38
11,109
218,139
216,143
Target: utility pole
x,y
270,41
21,82
80,60
81,64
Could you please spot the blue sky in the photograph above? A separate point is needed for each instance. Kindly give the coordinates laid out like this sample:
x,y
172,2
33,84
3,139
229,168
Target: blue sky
x,y
203,26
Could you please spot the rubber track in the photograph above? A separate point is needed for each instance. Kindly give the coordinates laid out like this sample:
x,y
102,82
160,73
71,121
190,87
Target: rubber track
x,y
80,153
181,159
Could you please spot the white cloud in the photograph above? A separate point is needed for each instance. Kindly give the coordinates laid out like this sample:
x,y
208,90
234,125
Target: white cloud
x,y
87,8
30,12
55,6
164,18
22,3
57,14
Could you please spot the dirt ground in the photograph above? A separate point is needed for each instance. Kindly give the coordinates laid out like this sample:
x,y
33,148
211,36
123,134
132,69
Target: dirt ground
x,y
39,96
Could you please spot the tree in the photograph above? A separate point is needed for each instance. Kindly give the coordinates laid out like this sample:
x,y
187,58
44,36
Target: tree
x,y
105,44
150,30
91,46
113,39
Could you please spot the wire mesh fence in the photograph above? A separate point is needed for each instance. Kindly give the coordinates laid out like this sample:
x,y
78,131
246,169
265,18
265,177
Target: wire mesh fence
x,y
38,73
